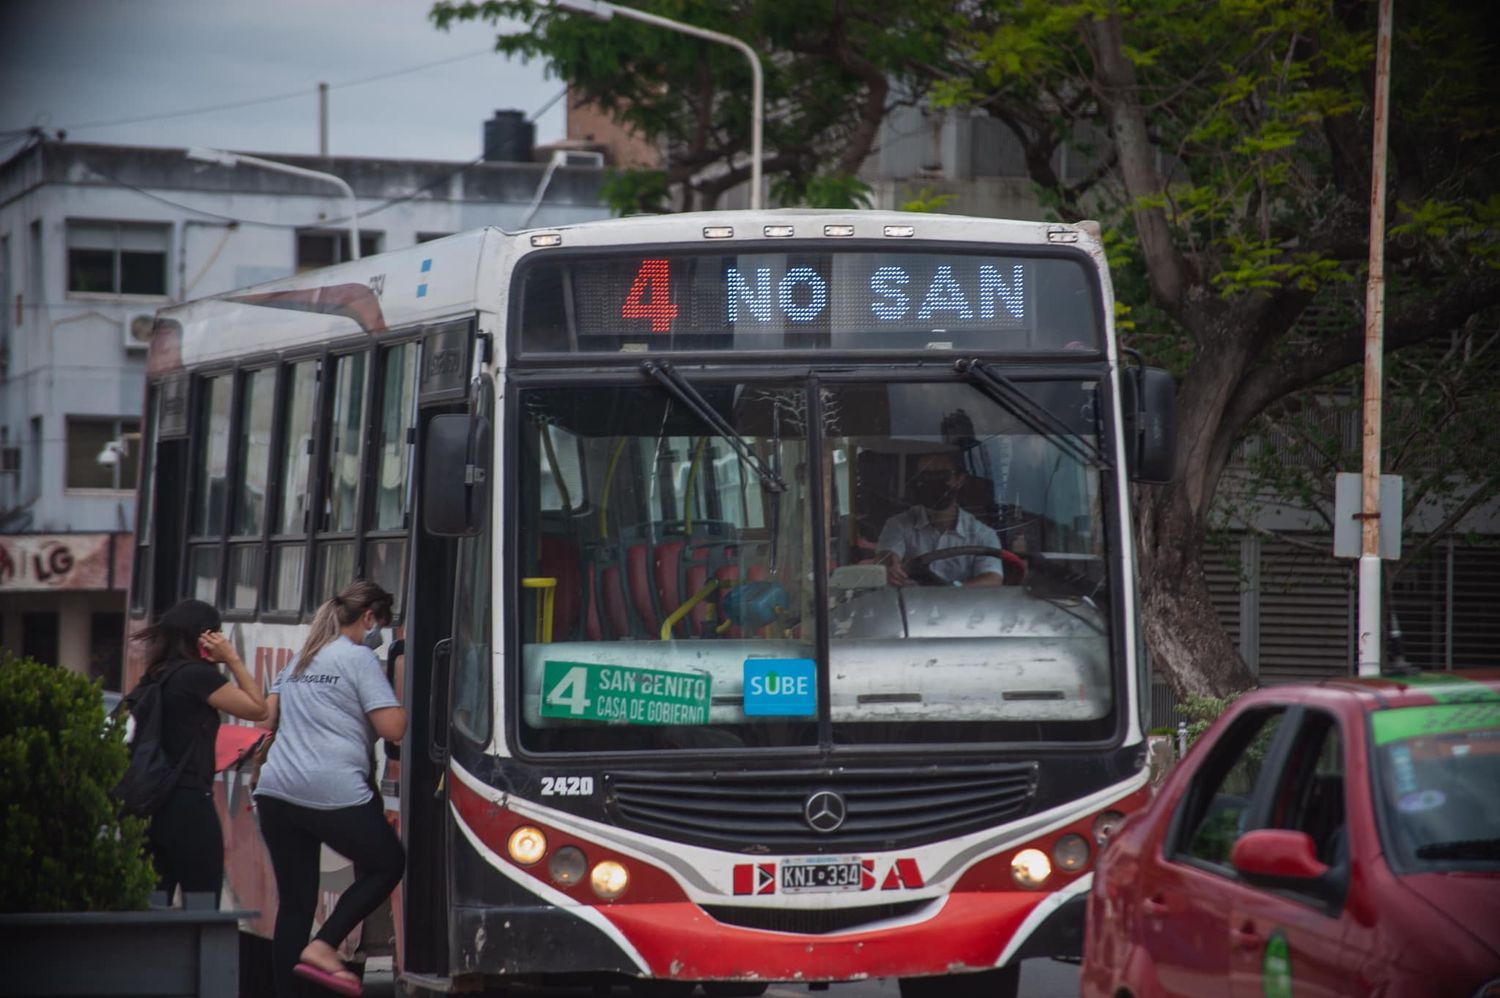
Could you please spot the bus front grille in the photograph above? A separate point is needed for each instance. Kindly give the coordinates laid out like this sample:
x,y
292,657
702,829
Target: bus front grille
x,y
810,922
770,809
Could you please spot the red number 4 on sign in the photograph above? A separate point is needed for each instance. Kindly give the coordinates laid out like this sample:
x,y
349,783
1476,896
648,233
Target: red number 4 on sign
x,y
650,296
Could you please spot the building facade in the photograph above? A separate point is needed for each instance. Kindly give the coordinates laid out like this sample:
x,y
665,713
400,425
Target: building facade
x,y
93,240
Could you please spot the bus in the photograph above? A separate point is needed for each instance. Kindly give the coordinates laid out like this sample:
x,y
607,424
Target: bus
x,y
766,601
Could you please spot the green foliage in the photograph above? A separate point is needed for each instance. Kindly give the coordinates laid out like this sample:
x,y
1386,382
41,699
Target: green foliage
x,y
928,200
832,70
63,842
636,192
1202,712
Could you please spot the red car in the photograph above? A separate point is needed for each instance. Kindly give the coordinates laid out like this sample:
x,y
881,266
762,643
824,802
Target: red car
x,y
1341,838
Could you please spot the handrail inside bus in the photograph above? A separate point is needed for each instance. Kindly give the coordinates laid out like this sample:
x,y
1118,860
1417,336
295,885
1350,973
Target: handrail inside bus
x,y
548,587
557,476
687,608
687,500
609,483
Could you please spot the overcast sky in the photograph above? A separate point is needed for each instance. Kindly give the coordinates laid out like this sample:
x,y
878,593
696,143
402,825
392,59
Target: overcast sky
x,y
86,65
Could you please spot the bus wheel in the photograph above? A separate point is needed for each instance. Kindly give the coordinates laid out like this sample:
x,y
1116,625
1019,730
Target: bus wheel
x,y
1003,982
734,989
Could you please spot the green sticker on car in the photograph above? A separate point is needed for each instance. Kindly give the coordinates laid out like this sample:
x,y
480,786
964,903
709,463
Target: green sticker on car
x,y
1401,723
1448,687
588,691
1276,968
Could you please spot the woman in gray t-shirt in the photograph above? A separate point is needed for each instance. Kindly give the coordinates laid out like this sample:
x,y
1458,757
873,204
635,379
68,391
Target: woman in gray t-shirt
x,y
315,787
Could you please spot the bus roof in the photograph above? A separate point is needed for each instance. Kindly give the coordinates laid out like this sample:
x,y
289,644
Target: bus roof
x,y
444,279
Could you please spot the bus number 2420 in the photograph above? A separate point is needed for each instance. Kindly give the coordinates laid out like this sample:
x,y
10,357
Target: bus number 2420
x,y
567,786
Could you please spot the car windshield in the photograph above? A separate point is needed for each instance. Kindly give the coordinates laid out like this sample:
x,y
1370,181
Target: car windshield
x,y
670,599
1439,772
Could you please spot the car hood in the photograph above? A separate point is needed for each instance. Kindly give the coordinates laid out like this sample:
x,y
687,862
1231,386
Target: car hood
x,y
1468,899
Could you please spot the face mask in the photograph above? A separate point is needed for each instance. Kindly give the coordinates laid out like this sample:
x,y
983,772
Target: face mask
x,y
933,490
373,638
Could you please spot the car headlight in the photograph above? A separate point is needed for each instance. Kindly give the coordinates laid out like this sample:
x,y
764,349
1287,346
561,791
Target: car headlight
x,y
567,865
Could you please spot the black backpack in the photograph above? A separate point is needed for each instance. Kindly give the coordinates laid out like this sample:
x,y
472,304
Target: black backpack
x,y
152,775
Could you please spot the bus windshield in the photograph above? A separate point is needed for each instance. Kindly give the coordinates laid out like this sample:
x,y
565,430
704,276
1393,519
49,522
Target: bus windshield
x,y
670,600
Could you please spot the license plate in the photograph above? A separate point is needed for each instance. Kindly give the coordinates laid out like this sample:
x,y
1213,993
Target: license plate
x,y
821,874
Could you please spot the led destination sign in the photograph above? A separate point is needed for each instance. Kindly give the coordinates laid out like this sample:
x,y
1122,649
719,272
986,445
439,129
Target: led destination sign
x,y
761,301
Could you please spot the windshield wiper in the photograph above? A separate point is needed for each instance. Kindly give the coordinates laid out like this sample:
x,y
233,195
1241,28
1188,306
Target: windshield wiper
x,y
683,391
1466,849
1037,417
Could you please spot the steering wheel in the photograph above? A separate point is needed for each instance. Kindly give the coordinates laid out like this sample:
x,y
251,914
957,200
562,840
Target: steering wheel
x,y
919,566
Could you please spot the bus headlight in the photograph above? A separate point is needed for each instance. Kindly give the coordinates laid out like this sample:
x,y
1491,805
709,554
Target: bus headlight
x,y
527,845
609,879
1031,868
567,865
1071,853
1105,825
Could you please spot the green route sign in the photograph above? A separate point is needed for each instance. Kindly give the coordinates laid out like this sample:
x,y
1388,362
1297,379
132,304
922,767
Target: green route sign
x,y
587,691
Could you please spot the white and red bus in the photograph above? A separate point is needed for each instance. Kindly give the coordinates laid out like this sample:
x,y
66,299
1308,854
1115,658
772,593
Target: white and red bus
x,y
673,722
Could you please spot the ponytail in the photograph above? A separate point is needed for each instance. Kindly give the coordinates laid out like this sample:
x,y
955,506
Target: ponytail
x,y
339,612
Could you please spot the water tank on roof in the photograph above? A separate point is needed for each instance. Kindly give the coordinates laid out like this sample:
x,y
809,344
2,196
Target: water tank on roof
x,y
508,138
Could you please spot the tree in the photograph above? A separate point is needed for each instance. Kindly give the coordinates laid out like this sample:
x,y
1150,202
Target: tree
x,y
65,845
1231,143
833,70
1229,147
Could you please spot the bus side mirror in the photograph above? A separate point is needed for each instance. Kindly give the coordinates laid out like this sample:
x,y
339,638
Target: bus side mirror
x,y
455,474
1148,400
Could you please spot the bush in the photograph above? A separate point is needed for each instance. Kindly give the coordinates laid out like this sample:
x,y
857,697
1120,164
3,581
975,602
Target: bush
x,y
64,845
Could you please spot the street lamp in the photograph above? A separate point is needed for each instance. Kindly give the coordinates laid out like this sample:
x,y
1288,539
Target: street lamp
x,y
233,159
604,11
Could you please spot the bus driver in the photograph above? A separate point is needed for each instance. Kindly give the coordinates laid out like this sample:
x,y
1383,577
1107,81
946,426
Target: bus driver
x,y
936,521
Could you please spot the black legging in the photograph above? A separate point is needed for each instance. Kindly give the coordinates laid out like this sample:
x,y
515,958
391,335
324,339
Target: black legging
x,y
186,844
294,837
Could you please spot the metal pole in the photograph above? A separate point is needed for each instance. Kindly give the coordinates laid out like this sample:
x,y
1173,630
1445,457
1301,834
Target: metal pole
x,y
1369,558
323,120
604,11
232,159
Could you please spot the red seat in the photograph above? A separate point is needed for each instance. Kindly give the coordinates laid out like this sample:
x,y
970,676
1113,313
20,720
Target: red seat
x,y
558,557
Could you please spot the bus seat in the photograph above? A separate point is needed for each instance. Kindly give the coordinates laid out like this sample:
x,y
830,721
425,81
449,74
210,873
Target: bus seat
x,y
558,559
668,578
642,591
612,595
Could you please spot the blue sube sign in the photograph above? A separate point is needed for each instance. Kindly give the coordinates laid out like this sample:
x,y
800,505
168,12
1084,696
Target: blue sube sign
x,y
781,687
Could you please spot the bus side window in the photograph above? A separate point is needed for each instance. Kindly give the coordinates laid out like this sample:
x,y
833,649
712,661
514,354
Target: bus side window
x,y
390,502
289,524
210,485
343,439
248,503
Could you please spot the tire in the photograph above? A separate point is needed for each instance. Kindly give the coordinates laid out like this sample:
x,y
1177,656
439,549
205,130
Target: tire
x,y
1002,982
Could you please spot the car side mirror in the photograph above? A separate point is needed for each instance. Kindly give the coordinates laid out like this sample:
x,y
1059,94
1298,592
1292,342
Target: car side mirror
x,y
1277,855
455,478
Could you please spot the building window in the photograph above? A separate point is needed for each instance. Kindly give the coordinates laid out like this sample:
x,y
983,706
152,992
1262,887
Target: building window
x,y
102,453
117,258
317,248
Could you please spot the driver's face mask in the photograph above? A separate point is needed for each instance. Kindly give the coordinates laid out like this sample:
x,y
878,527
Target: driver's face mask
x,y
935,490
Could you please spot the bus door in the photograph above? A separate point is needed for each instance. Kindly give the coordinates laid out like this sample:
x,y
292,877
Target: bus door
x,y
433,598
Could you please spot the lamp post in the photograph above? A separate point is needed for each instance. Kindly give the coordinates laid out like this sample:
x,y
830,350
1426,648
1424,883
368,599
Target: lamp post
x,y
604,11
233,159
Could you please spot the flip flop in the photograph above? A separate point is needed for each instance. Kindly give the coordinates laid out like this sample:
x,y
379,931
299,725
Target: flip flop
x,y
332,982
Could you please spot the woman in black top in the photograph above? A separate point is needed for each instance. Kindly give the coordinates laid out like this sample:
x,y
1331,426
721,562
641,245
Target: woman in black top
x,y
182,651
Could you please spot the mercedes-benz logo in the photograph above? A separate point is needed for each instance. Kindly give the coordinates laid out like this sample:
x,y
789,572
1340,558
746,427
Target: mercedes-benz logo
x,y
825,811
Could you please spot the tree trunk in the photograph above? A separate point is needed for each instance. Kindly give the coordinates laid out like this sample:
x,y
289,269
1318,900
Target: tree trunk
x,y
1189,646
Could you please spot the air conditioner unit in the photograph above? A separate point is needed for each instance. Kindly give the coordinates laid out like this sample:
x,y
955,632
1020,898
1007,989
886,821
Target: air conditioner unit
x,y
137,330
